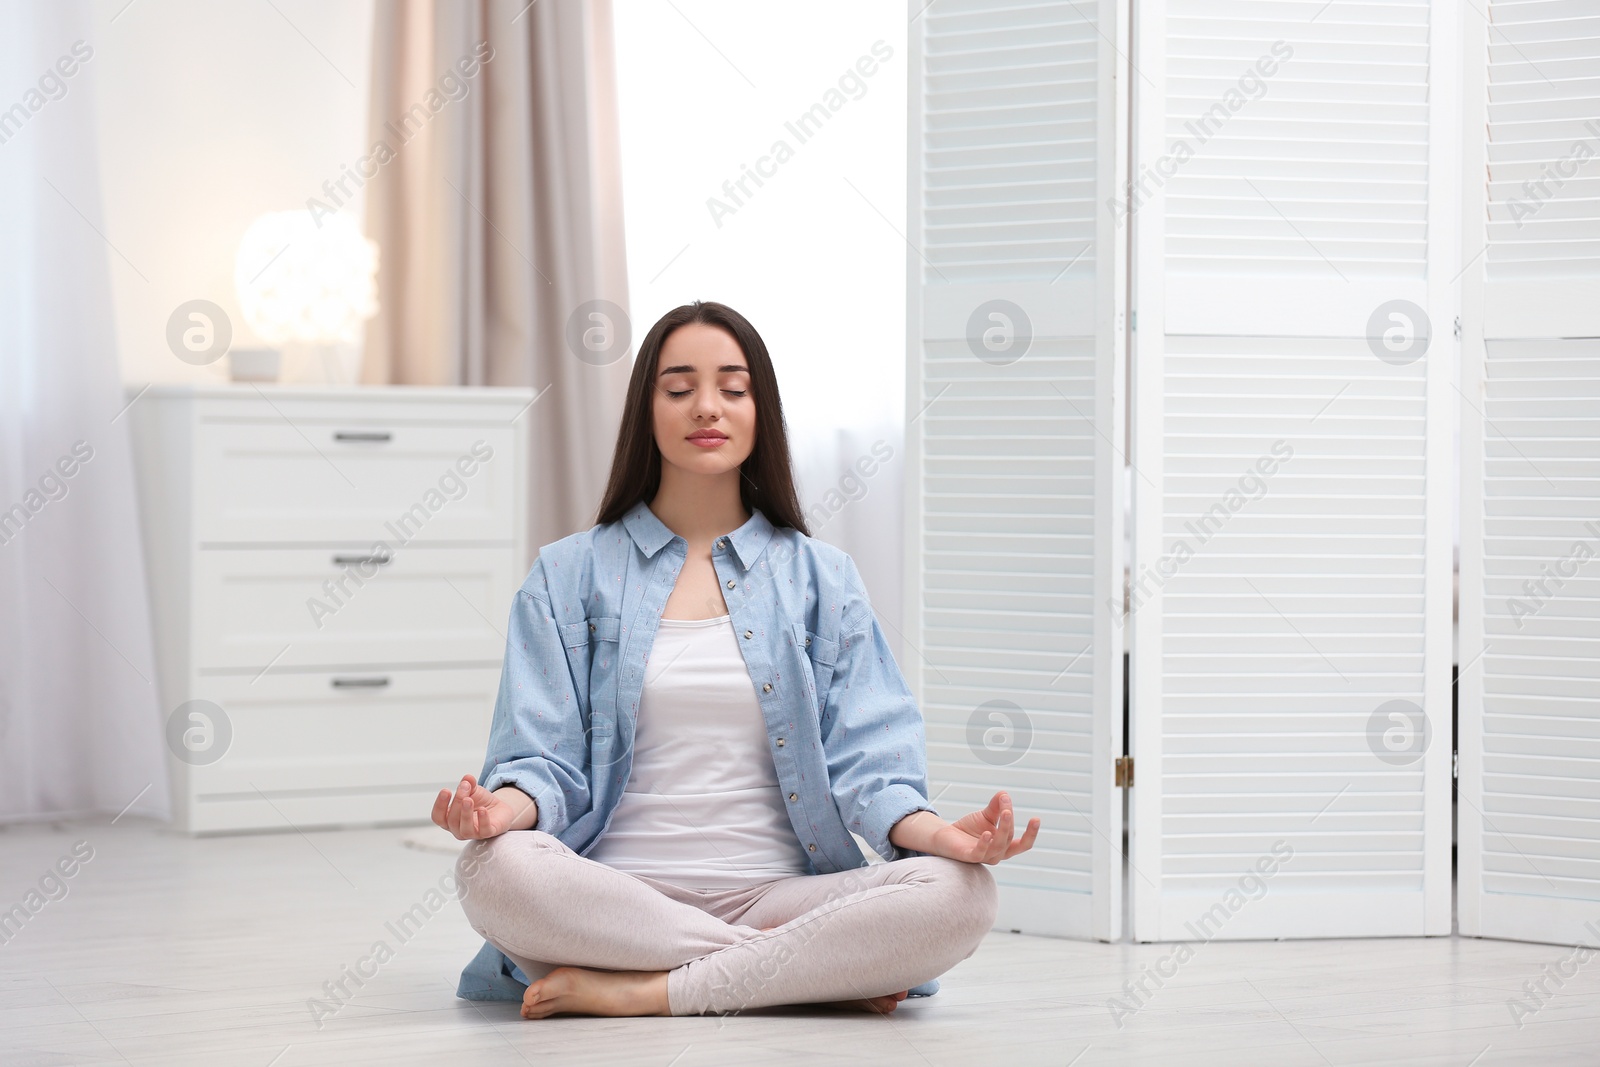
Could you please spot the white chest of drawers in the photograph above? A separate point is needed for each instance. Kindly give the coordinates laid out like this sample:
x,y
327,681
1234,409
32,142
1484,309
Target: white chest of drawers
x,y
330,574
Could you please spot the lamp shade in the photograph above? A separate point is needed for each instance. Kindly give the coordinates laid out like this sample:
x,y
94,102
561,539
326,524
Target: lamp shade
x,y
305,280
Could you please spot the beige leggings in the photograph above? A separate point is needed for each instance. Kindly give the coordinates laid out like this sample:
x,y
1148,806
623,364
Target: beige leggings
x,y
867,932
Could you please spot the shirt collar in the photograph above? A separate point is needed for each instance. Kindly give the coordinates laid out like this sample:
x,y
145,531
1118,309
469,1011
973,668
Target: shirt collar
x,y
650,533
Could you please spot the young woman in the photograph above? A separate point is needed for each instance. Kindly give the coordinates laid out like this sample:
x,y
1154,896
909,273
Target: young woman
x,y
697,708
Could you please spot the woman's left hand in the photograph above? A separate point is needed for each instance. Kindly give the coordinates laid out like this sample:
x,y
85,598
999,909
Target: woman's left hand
x,y
983,836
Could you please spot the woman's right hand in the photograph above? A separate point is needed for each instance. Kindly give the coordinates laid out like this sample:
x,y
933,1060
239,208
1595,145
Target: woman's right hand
x,y
472,813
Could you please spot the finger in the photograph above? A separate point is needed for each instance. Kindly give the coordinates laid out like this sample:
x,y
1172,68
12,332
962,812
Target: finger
x,y
482,802
1027,839
453,814
1002,827
484,825
459,811
441,808
1024,843
1002,837
994,840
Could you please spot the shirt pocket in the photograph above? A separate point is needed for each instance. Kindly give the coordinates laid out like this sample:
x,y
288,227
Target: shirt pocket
x,y
591,643
818,655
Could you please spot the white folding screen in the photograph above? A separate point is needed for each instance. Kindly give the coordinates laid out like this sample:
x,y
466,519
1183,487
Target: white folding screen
x,y
1529,816
1014,423
1293,203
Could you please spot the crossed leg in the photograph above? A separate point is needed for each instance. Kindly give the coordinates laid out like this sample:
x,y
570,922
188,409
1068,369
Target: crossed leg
x,y
856,935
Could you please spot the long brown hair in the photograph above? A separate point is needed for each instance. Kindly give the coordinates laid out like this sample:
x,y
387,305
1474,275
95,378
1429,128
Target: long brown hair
x,y
765,480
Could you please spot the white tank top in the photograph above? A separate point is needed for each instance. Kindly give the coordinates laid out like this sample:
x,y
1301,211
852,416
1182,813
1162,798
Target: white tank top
x,y
702,807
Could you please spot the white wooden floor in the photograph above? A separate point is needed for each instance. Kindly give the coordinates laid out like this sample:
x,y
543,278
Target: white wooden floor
x,y
172,951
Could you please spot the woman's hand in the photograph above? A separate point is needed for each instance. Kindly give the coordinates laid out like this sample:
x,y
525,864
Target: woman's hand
x,y
981,837
472,813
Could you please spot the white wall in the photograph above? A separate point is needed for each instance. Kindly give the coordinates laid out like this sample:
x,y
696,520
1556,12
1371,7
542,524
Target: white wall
x,y
210,115
818,266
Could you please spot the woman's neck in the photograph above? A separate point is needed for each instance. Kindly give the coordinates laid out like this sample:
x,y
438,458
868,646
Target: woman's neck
x,y
699,516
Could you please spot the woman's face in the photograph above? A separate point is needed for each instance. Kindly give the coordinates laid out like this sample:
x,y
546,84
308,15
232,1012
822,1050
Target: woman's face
x,y
703,387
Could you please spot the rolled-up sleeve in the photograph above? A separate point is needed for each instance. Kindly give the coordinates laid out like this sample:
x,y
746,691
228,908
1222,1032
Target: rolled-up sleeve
x,y
537,741
872,732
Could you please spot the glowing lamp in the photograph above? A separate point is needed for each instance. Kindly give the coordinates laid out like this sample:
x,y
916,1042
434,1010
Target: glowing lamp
x,y
299,281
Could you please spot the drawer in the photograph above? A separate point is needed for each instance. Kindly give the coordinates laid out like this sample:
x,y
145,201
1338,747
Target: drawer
x,y
305,749
319,480
314,607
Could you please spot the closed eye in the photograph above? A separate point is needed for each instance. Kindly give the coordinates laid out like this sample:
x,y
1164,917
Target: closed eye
x,y
685,392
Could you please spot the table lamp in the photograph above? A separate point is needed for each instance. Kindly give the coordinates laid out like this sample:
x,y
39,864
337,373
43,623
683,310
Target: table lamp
x,y
307,282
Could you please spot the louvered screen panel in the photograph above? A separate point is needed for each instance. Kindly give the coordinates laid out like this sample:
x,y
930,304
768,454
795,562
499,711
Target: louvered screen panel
x,y
1013,519
1327,156
1009,142
1530,475
1544,183
1540,800
1296,612
1008,570
1290,590
1295,152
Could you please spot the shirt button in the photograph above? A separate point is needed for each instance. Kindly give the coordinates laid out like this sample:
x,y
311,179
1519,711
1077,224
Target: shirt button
x,y
780,742
808,642
748,634
794,796
591,627
730,583
813,848
720,542
767,688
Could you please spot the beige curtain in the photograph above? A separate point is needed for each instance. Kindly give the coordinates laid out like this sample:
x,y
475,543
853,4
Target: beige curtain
x,y
494,191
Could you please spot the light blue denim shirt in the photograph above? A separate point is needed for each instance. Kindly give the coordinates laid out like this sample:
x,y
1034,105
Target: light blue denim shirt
x,y
845,732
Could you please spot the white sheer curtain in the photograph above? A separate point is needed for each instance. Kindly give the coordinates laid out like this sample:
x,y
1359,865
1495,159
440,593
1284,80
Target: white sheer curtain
x,y
851,480
80,725
812,253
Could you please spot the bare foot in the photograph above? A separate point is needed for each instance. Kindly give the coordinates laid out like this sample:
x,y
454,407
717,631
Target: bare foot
x,y
878,1005
881,1005
580,991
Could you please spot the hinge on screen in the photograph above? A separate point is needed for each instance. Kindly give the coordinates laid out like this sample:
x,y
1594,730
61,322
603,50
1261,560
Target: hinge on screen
x,y
1455,765
1133,321
1458,325
1124,772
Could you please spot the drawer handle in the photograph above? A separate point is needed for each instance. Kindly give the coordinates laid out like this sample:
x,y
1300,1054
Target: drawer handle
x,y
357,561
360,683
363,435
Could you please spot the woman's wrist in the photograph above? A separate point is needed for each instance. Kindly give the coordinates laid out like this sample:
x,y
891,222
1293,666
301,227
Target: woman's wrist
x,y
525,808
915,832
